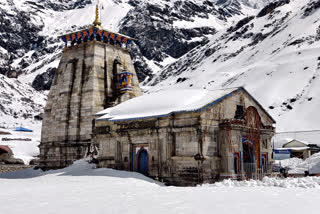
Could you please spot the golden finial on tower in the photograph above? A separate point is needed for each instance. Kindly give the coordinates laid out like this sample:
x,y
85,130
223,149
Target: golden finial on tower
x,y
97,22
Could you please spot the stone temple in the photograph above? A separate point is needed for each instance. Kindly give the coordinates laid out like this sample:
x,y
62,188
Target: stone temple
x,y
95,72
187,136
179,136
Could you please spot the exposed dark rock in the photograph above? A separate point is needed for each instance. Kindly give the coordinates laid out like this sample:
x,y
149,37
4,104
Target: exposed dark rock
x,y
26,115
311,8
158,38
8,71
27,100
293,100
179,80
43,81
256,38
209,52
39,116
271,7
296,42
240,24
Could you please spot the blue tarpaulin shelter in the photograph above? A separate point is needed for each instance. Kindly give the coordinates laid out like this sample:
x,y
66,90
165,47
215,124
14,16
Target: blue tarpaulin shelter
x,y
22,129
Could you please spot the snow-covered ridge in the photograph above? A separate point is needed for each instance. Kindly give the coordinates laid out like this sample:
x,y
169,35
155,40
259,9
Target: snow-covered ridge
x,y
274,55
307,182
34,54
19,103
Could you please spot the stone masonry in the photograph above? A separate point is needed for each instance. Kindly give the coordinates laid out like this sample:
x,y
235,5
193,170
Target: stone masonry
x,y
189,148
85,83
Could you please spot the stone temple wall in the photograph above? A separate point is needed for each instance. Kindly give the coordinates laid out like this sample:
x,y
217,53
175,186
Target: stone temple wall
x,y
85,83
172,144
186,148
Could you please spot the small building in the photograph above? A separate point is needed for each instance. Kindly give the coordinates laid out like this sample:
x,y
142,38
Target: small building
x,y
188,136
300,149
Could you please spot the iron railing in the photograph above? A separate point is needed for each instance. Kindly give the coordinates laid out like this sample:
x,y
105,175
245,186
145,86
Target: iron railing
x,y
252,172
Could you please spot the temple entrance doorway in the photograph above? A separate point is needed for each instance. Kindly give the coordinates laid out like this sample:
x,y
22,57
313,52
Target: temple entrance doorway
x,y
140,158
143,162
249,162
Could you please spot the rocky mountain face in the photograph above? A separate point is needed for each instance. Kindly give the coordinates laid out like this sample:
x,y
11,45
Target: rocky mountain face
x,y
165,31
21,23
270,47
274,54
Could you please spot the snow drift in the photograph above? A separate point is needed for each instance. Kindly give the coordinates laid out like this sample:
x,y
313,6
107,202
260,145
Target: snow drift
x,y
307,182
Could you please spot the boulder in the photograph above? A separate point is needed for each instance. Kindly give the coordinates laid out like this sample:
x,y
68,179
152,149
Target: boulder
x,y
43,81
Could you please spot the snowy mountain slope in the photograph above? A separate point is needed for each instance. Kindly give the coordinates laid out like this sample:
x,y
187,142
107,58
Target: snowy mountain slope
x,y
166,30
186,24
275,55
19,103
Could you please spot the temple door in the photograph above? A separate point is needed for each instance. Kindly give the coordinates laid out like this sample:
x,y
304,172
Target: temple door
x,y
143,162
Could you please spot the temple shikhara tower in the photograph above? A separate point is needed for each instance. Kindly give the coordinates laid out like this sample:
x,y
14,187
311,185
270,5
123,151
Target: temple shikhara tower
x,y
95,72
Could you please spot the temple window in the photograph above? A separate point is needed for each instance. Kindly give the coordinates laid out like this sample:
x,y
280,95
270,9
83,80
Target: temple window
x,y
239,114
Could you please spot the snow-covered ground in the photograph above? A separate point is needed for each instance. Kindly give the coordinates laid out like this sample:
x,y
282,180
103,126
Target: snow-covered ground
x,y
299,166
25,150
82,189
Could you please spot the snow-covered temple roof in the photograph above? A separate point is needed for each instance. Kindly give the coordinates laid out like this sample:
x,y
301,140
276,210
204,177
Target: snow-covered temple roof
x,y
164,103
